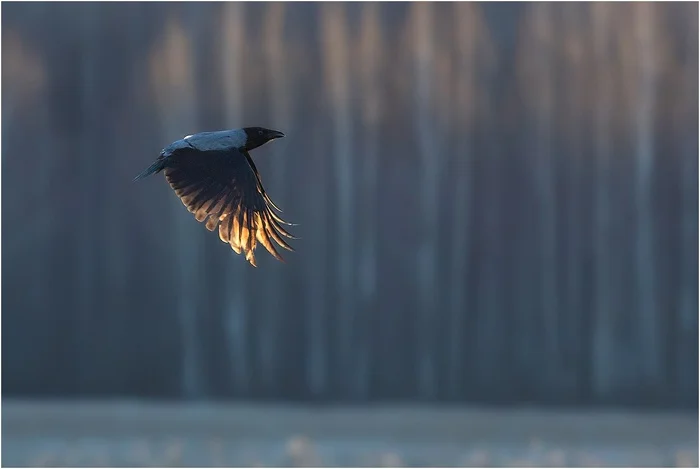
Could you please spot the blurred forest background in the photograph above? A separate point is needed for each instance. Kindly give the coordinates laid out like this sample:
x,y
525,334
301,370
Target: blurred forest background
x,y
497,203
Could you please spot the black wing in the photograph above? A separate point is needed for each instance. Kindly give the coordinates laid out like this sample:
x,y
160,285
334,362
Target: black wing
x,y
225,187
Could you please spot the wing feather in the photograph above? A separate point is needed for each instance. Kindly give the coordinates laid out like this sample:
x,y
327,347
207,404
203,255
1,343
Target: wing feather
x,y
264,238
224,188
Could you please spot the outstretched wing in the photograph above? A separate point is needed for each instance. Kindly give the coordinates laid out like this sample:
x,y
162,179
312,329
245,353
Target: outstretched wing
x,y
224,188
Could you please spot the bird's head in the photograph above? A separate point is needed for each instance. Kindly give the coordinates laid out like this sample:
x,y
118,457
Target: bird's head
x,y
258,136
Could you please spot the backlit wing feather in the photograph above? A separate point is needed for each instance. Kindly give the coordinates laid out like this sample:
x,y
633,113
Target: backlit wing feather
x,y
223,188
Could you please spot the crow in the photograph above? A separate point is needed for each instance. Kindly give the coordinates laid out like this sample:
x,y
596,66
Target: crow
x,y
215,178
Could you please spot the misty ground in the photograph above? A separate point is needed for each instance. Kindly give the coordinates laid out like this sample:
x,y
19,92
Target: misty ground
x,y
138,434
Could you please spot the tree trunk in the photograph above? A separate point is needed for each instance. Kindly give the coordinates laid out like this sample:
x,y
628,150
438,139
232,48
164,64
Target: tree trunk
x,y
545,174
235,301
175,95
337,61
281,86
686,358
467,29
430,154
88,254
577,125
643,114
371,61
602,346
317,361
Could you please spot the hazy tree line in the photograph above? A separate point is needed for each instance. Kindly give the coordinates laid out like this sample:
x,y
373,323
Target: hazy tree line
x,y
496,203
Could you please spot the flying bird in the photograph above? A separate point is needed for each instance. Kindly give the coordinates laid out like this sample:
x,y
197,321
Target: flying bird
x,y
215,178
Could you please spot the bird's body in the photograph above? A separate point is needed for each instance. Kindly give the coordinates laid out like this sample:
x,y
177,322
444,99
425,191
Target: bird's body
x,y
216,179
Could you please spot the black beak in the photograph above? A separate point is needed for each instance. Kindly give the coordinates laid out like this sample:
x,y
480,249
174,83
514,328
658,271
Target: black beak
x,y
274,134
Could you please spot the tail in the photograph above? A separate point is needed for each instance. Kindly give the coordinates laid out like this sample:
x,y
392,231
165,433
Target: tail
x,y
156,167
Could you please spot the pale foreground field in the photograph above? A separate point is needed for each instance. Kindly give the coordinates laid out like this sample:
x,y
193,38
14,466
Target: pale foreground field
x,y
153,434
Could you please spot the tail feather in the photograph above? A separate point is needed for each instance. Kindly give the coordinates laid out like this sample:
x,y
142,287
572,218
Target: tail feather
x,y
156,167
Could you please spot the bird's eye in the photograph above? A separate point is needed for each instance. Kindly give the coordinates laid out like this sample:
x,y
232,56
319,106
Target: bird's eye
x,y
260,132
